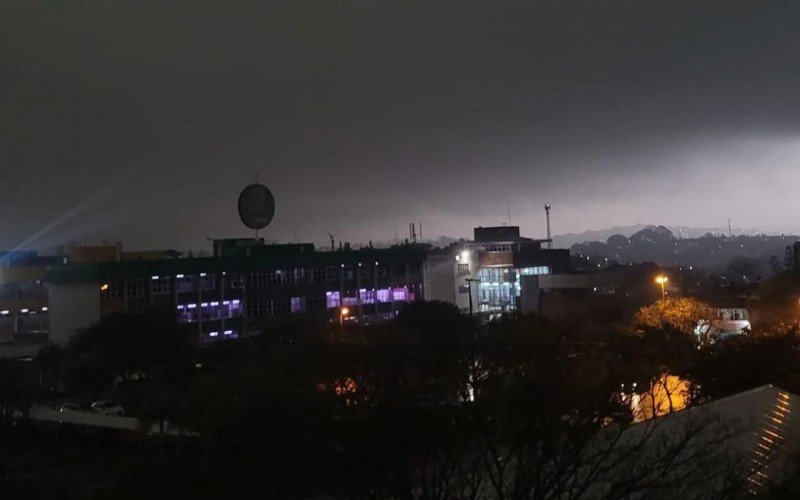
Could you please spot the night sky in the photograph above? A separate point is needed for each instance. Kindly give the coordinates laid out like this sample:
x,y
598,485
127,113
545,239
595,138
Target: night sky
x,y
141,121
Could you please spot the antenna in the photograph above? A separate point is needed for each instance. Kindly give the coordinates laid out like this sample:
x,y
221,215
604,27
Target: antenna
x,y
547,215
333,242
730,233
509,214
420,231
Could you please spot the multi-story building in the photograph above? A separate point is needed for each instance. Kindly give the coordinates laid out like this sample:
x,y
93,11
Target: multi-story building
x,y
487,272
245,287
24,311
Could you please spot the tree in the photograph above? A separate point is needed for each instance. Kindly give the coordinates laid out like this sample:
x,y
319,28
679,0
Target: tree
x,y
679,313
123,343
743,268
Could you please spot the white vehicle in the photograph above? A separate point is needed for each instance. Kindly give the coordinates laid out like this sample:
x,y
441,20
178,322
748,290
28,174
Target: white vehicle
x,y
67,406
108,407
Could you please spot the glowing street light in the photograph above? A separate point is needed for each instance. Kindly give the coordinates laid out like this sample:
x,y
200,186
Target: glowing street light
x,y
662,280
343,313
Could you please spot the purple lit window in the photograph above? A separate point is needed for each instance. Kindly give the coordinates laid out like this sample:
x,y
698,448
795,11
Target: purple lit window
x,y
298,304
400,294
384,295
332,299
367,296
350,301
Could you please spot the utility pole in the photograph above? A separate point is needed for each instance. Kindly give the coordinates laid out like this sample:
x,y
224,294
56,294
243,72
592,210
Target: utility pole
x,y
469,290
547,215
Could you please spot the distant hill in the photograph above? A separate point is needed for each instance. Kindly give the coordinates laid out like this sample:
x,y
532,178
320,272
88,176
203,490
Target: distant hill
x,y
569,239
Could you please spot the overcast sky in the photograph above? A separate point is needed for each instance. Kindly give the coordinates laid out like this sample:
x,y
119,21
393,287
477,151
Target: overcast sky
x,y
141,121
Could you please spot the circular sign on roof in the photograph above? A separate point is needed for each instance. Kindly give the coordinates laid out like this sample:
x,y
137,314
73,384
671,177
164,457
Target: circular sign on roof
x,y
256,206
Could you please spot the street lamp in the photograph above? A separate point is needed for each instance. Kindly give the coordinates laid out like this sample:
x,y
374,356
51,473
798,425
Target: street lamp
x,y
343,313
662,280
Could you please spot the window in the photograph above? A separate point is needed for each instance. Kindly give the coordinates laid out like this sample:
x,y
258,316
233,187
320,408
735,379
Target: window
x,y
281,306
185,284
499,248
111,290
367,296
318,274
463,289
257,308
463,268
276,277
137,288
234,308
161,285
534,271
332,273
332,299
315,303
384,295
259,279
298,304
206,282
187,313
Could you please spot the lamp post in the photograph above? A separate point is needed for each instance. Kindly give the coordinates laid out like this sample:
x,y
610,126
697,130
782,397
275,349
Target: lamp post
x,y
469,290
343,312
662,280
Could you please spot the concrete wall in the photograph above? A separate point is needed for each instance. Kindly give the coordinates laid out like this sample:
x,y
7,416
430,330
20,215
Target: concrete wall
x,y
72,306
438,278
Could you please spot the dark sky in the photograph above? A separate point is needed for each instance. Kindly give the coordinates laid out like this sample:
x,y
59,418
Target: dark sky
x,y
141,121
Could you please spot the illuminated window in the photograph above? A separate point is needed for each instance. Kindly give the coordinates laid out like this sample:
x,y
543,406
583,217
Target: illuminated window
x,y
384,295
332,299
534,271
367,296
463,268
298,304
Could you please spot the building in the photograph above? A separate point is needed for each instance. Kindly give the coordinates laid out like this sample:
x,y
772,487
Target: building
x,y
24,313
556,295
487,272
244,288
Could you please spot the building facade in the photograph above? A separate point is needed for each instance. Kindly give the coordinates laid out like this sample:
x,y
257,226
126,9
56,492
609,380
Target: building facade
x,y
245,287
487,272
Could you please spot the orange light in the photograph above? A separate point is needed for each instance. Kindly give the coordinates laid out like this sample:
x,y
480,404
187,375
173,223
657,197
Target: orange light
x,y
104,287
661,279
345,311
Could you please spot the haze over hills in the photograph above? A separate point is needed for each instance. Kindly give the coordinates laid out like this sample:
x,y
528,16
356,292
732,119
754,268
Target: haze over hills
x,y
566,240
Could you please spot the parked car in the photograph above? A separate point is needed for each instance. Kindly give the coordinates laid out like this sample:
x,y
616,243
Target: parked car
x,y
108,407
68,406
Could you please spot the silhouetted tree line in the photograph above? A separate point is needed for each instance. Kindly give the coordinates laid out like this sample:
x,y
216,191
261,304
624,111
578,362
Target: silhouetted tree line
x,y
431,406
